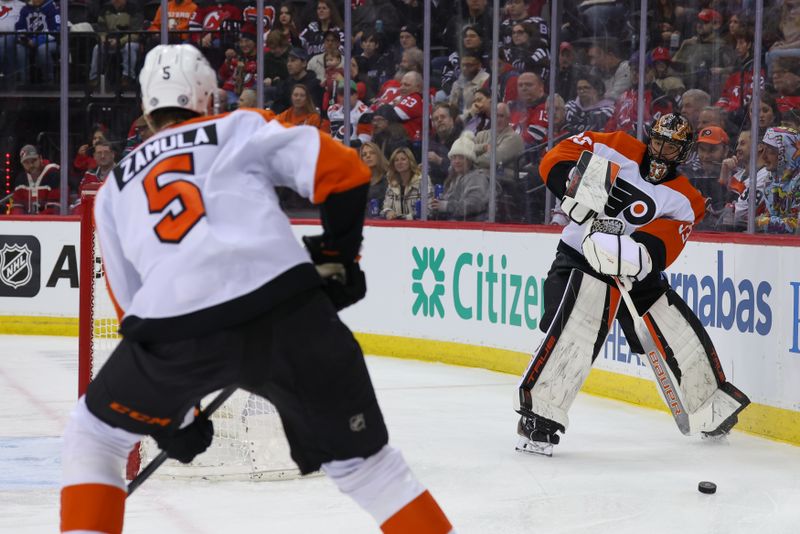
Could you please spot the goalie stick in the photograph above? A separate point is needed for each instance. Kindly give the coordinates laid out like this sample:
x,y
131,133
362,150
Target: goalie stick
x,y
664,377
655,356
162,457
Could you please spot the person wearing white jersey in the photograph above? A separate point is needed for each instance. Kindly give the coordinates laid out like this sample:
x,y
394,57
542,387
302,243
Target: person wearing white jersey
x,y
657,209
214,290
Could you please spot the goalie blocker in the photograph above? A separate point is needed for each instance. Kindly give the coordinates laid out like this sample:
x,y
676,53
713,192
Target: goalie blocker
x,y
577,325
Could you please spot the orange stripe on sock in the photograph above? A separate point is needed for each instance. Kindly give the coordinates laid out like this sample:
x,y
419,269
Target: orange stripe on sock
x,y
93,507
420,516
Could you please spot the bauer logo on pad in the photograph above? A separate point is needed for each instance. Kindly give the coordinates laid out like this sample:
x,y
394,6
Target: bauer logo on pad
x,y
594,178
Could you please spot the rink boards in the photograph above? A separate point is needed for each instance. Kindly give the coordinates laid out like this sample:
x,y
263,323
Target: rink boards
x,y
473,296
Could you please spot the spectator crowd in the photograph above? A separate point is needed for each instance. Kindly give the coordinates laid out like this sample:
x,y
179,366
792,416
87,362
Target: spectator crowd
x,y
698,60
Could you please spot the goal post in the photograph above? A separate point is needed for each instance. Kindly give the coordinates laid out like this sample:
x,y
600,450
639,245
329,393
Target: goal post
x,y
249,441
86,290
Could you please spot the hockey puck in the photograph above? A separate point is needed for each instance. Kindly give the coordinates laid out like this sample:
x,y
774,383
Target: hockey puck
x,y
707,487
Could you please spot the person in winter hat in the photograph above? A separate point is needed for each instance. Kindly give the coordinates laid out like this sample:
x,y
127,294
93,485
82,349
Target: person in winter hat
x,y
464,146
466,189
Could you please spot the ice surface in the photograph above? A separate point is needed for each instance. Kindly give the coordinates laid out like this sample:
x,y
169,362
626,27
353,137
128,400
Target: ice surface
x,y
618,470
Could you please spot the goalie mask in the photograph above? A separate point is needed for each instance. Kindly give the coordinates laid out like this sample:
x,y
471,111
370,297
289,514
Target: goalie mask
x,y
177,76
671,140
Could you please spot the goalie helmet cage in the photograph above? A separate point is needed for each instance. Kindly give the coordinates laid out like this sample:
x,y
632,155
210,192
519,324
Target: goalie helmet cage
x,y
249,441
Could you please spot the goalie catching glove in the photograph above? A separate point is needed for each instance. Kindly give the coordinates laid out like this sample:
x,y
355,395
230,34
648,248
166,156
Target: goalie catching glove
x,y
609,251
342,278
189,441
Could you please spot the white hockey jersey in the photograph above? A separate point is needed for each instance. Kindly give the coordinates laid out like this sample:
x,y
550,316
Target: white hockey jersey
x,y
190,229
667,211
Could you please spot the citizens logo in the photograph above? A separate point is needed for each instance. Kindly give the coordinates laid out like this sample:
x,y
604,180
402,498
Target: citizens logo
x,y
475,286
424,260
20,257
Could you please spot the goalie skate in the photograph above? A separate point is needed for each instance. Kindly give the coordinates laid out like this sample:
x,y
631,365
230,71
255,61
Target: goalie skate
x,y
535,439
542,448
720,434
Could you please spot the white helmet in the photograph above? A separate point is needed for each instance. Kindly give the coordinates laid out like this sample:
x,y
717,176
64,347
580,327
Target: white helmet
x,y
177,76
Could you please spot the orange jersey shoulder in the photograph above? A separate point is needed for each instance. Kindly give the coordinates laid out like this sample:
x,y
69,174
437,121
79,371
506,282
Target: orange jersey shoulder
x,y
570,149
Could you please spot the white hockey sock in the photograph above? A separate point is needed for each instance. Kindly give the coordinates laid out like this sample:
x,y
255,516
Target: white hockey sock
x,y
94,452
381,484
93,486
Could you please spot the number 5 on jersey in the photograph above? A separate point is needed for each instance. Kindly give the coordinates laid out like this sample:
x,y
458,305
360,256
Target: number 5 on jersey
x,y
173,227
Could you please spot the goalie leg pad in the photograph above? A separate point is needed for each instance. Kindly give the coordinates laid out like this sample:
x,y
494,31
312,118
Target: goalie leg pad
x,y
563,361
707,397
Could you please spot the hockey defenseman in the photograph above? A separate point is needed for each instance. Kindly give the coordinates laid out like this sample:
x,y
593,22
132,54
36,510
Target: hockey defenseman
x,y
613,175
214,290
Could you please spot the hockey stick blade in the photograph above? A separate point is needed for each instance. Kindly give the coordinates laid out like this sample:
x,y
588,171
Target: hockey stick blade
x,y
162,457
657,360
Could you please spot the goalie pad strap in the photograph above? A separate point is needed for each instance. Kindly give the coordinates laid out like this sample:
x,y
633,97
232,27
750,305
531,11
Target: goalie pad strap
x,y
563,361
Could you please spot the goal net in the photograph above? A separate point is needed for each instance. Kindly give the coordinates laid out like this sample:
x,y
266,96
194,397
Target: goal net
x,y
249,441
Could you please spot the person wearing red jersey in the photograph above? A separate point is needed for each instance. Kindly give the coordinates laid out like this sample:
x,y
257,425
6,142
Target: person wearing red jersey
x,y
92,178
238,71
738,88
211,19
658,209
250,14
104,158
656,103
37,189
213,289
785,72
409,106
529,111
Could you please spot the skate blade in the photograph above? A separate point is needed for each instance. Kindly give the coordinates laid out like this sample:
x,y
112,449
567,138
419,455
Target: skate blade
x,y
719,439
534,447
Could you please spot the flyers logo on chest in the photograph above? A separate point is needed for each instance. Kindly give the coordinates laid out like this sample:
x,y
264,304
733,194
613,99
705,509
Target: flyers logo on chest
x,y
635,206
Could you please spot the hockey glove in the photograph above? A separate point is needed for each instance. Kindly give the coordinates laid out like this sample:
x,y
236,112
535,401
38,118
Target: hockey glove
x,y
189,441
612,253
342,279
574,209
588,184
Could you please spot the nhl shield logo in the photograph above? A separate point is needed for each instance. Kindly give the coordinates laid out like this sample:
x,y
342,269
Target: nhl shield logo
x,y
16,269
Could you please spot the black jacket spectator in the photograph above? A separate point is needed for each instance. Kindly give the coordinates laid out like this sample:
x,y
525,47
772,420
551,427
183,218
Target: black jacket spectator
x,y
478,14
377,65
447,127
367,15
296,67
387,132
